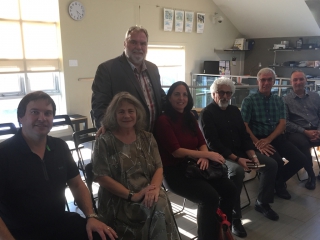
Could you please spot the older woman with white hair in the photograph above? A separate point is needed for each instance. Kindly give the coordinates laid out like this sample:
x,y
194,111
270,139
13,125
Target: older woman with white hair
x,y
225,133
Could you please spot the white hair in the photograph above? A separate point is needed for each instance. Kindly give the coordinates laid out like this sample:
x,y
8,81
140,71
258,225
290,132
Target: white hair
x,y
222,81
266,71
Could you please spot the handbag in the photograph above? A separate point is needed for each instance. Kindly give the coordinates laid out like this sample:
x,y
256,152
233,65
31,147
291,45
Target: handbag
x,y
224,226
215,170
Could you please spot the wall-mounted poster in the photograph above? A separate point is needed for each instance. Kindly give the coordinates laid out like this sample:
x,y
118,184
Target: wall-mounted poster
x,y
200,22
178,21
168,19
188,22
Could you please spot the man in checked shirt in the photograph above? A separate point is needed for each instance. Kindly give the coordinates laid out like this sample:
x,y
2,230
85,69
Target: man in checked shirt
x,y
265,118
303,120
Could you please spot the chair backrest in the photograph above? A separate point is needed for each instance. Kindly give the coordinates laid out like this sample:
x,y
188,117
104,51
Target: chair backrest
x,y
92,118
83,136
7,128
62,120
89,181
195,114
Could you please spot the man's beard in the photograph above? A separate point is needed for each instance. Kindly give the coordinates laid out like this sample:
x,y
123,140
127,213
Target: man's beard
x,y
223,104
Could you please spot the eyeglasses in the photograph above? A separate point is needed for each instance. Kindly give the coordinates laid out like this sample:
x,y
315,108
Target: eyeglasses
x,y
222,93
266,79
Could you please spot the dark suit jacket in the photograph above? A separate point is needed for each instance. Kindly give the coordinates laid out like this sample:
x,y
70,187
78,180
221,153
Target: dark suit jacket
x,y
116,75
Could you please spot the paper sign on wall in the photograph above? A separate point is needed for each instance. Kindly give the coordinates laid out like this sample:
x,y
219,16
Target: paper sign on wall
x,y
179,17
168,19
200,22
188,22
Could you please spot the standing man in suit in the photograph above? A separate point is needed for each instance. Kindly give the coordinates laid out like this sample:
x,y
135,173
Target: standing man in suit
x,y
303,120
131,73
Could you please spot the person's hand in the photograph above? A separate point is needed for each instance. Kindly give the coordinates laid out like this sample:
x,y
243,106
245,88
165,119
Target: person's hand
x,y
151,197
100,131
203,162
255,160
94,225
267,150
313,135
216,157
138,197
262,143
243,163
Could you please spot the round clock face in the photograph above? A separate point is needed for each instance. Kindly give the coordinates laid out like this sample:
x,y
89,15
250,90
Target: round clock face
x,y
76,10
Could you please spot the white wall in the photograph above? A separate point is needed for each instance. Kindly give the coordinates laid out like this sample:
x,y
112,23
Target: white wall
x,y
99,36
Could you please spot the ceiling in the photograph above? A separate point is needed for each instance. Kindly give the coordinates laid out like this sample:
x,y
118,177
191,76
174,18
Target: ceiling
x,y
273,18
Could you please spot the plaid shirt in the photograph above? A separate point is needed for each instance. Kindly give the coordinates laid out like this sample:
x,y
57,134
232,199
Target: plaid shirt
x,y
262,113
302,113
146,87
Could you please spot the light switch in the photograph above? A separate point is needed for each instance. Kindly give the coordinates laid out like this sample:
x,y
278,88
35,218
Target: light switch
x,y
73,63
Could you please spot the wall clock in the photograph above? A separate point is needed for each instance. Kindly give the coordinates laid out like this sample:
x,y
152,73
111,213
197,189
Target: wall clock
x,y
76,10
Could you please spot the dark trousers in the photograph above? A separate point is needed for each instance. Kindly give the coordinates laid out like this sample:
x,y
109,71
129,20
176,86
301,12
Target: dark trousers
x,y
207,194
70,226
266,185
286,149
302,142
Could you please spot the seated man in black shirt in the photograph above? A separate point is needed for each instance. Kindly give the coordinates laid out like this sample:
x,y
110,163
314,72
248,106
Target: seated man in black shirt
x,y
34,171
225,133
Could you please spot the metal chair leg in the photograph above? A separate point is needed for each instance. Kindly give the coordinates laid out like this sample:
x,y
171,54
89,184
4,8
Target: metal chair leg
x,y
67,205
181,210
315,153
249,201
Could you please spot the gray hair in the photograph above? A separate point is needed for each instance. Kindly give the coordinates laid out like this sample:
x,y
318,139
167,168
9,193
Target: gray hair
x,y
300,71
266,71
222,81
109,120
136,29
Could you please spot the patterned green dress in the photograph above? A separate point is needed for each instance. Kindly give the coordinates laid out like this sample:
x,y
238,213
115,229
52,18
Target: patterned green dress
x,y
132,165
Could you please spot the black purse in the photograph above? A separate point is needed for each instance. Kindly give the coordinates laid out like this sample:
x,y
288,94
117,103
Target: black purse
x,y
214,171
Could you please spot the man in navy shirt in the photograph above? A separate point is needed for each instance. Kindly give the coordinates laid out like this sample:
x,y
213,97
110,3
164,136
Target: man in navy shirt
x,y
303,120
34,170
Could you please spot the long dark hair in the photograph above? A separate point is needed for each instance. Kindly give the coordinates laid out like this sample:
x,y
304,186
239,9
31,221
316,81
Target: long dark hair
x,y
189,119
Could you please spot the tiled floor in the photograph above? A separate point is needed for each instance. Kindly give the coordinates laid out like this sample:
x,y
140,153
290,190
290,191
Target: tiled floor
x,y
299,216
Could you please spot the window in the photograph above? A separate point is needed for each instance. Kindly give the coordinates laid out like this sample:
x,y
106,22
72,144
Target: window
x,y
170,61
29,53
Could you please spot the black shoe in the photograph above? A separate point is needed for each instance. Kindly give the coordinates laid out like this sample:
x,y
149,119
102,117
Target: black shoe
x,y
311,183
281,190
266,210
238,229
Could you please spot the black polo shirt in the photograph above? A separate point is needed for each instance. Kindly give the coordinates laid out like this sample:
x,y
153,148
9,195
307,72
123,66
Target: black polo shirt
x,y
32,190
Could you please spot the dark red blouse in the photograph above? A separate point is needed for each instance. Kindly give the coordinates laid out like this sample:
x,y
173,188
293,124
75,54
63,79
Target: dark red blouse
x,y
172,135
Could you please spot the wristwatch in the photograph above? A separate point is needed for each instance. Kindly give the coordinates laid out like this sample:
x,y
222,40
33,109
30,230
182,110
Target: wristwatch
x,y
92,215
254,156
130,196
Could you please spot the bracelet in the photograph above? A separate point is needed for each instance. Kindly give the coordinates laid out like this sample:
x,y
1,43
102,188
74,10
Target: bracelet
x,y
92,215
130,196
237,159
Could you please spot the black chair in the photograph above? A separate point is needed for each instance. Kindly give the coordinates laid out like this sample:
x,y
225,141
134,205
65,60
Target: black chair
x,y
92,118
313,146
64,120
89,181
7,128
79,138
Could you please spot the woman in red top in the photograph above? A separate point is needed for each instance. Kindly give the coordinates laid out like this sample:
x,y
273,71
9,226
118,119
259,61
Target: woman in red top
x,y
178,136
